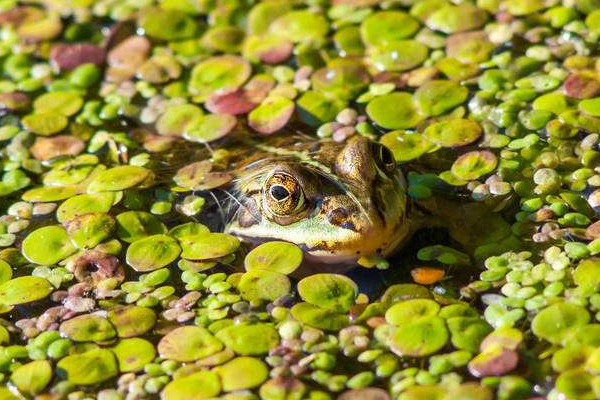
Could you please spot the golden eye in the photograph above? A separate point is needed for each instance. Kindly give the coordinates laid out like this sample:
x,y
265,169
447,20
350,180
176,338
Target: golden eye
x,y
283,194
383,157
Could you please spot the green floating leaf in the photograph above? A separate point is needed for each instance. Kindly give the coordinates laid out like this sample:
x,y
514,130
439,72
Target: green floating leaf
x,y
320,318
242,373
166,24
394,111
32,378
152,252
47,245
249,340
130,321
188,343
421,338
453,132
406,146
84,204
410,311
556,322
24,289
89,368
300,26
258,285
219,73
474,164
196,386
208,245
133,354
88,328
397,55
386,26
118,178
282,257
330,291
136,225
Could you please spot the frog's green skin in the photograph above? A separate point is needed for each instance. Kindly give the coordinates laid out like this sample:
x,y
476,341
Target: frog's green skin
x,y
337,201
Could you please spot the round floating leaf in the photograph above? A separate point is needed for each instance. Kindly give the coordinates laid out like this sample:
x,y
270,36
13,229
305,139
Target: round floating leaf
x,y
315,108
130,321
49,193
5,273
24,289
249,340
556,322
45,124
453,132
211,127
397,55
118,178
89,368
188,229
133,354
198,176
394,111
242,373
65,103
188,343
436,97
341,79
320,318
450,18
405,145
260,285
88,328
166,24
576,384
33,377
208,245
269,48
282,257
272,115
300,26
410,311
88,230
474,164
152,252
47,245
387,26
136,225
590,106
84,204
196,386
587,273
331,291
467,333
421,338
177,119
219,73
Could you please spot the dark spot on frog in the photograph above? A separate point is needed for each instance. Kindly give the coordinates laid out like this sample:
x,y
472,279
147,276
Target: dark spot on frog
x,y
339,216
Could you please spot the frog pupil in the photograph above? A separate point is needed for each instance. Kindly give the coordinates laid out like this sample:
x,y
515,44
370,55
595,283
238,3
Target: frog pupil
x,y
279,192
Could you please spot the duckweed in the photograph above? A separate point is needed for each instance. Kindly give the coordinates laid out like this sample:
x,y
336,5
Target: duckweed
x,y
119,124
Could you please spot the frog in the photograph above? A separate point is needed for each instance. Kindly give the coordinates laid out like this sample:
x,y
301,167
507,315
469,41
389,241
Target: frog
x,y
338,202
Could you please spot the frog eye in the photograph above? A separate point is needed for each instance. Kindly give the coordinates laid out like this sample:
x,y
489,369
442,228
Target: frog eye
x,y
384,158
283,194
